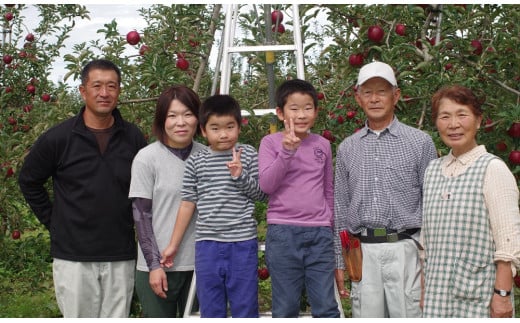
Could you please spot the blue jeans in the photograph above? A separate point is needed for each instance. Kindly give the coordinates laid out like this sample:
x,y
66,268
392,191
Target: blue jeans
x,y
299,257
227,272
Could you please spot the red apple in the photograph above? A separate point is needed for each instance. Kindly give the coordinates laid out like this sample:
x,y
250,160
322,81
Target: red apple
x,y
133,37
501,146
8,89
182,64
477,45
514,130
27,108
263,273
340,119
29,37
15,234
46,97
488,125
517,280
514,157
8,16
353,22
22,54
375,33
7,59
321,96
12,121
400,29
276,16
355,60
327,134
30,88
9,172
448,66
193,42
143,49
351,114
280,30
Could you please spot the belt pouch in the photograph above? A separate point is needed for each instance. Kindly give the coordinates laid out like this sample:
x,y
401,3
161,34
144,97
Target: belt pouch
x,y
352,255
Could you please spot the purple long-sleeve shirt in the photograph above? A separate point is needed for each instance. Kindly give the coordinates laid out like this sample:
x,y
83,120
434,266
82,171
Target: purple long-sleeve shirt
x,y
299,184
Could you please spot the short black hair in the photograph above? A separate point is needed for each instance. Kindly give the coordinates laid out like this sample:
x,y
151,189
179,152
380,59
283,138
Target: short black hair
x,y
185,95
220,105
295,86
99,64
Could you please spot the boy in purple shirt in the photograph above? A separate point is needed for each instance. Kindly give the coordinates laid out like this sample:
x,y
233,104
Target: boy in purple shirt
x,y
295,170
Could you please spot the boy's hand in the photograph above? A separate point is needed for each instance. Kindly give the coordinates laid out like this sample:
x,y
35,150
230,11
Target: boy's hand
x,y
167,256
235,165
290,141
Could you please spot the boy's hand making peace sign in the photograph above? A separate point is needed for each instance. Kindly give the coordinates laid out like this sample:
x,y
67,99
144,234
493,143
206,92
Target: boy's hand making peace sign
x,y
235,165
290,141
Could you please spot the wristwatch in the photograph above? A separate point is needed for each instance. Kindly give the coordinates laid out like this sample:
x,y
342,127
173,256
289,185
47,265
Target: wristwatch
x,y
502,292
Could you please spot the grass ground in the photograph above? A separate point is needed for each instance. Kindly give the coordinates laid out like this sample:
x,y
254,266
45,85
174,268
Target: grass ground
x,y
26,287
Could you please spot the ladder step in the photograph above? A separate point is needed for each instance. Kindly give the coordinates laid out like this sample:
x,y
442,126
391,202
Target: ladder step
x,y
261,48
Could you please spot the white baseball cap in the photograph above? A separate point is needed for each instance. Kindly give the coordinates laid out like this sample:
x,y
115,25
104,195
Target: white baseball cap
x,y
376,69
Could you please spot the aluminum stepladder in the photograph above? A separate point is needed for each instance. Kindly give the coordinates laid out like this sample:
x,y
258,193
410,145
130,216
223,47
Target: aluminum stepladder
x,y
226,51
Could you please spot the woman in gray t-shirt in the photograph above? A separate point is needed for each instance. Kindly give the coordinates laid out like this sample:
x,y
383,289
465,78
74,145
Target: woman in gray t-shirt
x,y
155,187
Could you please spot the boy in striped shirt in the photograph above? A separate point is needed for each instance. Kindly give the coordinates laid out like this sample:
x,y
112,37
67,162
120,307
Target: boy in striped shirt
x,y
222,183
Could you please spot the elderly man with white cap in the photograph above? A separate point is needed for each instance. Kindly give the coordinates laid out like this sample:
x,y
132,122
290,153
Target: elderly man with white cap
x,y
378,200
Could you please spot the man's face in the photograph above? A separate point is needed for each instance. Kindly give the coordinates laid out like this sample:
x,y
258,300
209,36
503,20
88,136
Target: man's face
x,y
101,92
378,98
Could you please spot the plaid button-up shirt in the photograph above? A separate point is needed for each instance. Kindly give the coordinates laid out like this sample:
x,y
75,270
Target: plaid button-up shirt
x,y
378,180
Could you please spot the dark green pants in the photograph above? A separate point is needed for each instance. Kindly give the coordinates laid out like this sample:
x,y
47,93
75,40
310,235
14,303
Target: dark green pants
x,y
173,306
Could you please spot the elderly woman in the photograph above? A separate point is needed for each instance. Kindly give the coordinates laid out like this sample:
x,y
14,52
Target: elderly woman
x,y
471,220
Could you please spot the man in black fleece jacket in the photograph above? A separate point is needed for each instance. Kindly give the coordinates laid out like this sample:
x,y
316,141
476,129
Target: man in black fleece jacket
x,y
89,158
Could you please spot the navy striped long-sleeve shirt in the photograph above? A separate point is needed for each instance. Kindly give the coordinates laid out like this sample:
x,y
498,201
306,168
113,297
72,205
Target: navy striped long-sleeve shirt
x,y
225,205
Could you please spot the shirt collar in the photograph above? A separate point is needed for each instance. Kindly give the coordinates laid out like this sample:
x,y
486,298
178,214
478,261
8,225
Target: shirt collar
x,y
393,128
467,157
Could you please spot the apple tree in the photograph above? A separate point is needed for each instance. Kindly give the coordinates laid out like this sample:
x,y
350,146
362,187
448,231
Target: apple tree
x,y
29,101
429,46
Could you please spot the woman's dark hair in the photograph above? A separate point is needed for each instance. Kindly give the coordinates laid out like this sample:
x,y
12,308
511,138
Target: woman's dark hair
x,y
459,94
185,95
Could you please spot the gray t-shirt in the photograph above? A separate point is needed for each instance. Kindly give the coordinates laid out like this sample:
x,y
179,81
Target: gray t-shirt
x,y
157,175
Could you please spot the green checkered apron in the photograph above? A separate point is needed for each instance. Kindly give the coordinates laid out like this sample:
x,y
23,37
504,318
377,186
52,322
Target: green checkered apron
x,y
459,267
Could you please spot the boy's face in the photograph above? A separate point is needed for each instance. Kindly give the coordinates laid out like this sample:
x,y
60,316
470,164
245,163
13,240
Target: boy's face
x,y
221,132
299,107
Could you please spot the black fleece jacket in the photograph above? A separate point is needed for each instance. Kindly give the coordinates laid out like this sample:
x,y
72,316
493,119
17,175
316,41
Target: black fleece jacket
x,y
90,216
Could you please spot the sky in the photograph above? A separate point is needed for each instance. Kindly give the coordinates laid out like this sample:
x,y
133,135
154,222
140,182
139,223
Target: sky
x,y
126,15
